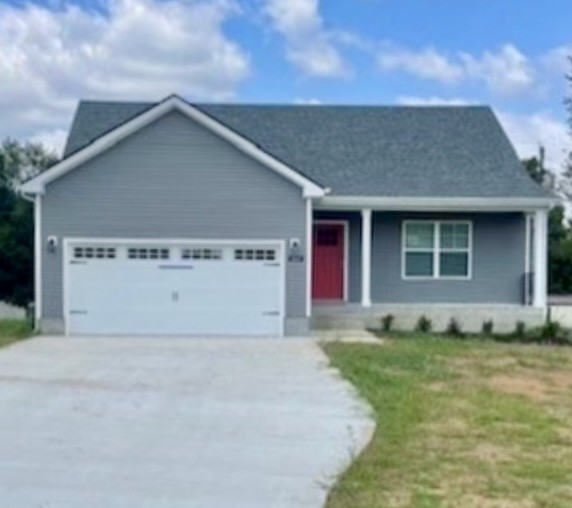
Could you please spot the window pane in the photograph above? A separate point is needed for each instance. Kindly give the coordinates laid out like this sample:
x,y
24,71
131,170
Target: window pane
x,y
454,236
461,236
447,236
419,236
419,264
454,264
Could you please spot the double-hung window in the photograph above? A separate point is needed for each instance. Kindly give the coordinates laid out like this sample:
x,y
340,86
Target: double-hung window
x,y
437,249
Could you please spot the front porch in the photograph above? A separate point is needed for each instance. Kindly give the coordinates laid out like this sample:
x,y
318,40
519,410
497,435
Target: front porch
x,y
504,279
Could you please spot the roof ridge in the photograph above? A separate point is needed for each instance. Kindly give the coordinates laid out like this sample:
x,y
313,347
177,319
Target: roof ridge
x,y
294,106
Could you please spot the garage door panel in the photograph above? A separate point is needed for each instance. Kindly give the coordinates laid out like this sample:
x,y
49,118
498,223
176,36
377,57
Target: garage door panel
x,y
222,295
235,323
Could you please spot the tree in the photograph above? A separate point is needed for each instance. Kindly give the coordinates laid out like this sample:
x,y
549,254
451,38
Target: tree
x,y
18,162
559,232
535,168
566,186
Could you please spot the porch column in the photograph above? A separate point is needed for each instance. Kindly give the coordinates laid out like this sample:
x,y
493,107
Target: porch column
x,y
366,257
540,286
309,255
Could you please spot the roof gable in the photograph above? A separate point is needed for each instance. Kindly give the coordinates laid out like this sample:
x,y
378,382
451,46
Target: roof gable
x,y
363,150
144,117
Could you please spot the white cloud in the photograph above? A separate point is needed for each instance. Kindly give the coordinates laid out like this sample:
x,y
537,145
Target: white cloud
x,y
53,140
529,132
426,64
307,102
506,72
557,60
408,100
309,46
136,50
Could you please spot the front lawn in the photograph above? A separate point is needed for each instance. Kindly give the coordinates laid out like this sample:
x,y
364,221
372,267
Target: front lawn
x,y
12,330
461,423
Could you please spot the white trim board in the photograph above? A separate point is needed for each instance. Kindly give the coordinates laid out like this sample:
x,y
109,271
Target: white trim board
x,y
171,241
434,204
70,241
38,250
309,255
346,226
37,185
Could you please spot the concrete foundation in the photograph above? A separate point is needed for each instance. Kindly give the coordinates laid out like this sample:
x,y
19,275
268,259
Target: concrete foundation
x,y
470,317
562,314
51,326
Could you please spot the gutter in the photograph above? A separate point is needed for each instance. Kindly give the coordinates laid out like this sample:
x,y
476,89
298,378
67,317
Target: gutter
x,y
439,204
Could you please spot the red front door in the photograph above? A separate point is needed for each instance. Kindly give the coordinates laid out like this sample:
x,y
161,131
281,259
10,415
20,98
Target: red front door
x,y
328,264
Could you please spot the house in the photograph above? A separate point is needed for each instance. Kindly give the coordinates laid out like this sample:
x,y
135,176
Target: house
x,y
198,219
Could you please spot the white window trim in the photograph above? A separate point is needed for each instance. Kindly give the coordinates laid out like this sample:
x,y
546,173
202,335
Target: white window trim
x,y
436,250
346,225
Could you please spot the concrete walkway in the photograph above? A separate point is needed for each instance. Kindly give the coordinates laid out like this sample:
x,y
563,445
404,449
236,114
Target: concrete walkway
x,y
153,423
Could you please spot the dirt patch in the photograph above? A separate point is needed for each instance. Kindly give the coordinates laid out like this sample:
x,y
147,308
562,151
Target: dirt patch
x,y
562,380
491,454
502,362
476,501
565,433
398,499
449,427
438,387
533,388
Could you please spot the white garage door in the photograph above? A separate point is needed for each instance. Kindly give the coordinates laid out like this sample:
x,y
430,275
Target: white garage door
x,y
187,289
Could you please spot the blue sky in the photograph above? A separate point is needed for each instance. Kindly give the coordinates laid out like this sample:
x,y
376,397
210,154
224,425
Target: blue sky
x,y
511,55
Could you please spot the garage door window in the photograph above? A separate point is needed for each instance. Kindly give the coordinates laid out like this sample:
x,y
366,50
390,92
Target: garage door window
x,y
94,253
207,254
148,253
255,254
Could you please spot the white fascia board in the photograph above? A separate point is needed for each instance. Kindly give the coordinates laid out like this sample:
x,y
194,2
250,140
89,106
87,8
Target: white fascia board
x,y
37,184
434,204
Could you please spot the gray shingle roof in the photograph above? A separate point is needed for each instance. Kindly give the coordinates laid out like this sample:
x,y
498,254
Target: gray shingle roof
x,y
362,150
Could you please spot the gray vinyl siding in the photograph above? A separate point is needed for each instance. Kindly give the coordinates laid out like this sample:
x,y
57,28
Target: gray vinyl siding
x,y
498,260
172,179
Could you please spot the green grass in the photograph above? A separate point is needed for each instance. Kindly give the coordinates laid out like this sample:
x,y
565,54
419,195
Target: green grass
x,y
460,424
12,330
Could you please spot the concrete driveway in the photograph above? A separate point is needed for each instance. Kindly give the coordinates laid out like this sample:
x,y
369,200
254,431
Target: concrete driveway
x,y
137,423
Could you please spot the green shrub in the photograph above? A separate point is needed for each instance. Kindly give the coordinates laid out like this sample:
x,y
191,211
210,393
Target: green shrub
x,y
520,330
488,327
550,330
387,322
424,324
454,328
